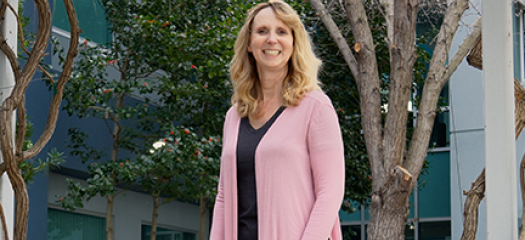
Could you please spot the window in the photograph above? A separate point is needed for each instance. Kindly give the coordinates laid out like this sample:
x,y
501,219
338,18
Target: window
x,y
440,230
166,234
65,225
435,230
351,232
440,133
91,19
520,7
434,192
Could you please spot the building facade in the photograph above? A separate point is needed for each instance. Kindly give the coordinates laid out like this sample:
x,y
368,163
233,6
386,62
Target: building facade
x,y
132,213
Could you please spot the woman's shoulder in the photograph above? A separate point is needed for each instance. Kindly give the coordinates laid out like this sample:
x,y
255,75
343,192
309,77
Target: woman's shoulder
x,y
316,97
232,112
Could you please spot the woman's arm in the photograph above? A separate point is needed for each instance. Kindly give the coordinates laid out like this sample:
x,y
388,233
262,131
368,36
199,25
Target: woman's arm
x,y
217,228
325,146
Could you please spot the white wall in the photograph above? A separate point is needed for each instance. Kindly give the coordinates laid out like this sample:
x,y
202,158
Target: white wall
x,y
467,135
467,132
131,210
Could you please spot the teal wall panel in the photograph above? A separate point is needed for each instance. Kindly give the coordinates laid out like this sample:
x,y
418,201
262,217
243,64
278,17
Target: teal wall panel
x,y
91,19
434,194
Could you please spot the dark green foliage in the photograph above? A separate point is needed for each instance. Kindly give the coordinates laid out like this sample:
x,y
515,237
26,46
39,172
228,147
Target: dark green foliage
x,y
166,72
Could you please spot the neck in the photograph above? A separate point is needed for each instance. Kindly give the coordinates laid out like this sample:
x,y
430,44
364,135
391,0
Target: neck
x,y
272,85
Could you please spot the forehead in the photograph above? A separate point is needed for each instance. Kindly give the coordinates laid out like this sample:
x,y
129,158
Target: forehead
x,y
267,18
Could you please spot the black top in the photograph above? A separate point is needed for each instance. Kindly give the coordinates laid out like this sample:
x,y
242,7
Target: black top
x,y
247,143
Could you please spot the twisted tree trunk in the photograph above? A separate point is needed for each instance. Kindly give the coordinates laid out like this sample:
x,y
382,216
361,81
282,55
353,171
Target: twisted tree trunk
x,y
12,153
476,193
470,214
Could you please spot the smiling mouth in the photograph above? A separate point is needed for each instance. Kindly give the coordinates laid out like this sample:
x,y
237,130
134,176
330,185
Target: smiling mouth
x,y
272,52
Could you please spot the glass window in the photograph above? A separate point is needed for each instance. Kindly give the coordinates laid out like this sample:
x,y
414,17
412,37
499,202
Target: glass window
x,y
519,50
166,234
409,232
435,230
434,192
91,19
351,232
440,133
65,225
355,216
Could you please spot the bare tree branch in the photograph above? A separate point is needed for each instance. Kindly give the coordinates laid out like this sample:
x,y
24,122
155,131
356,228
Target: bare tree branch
x,y
463,50
11,56
470,214
22,40
388,5
404,56
61,82
369,88
336,35
20,30
433,85
2,215
21,125
37,52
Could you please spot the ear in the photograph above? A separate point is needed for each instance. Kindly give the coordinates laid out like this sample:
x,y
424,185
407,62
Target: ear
x,y
250,48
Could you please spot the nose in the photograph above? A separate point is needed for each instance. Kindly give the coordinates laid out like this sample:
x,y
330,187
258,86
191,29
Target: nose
x,y
271,38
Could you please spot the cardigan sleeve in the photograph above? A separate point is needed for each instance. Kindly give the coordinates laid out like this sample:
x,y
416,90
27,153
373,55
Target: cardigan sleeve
x,y
217,229
325,146
218,222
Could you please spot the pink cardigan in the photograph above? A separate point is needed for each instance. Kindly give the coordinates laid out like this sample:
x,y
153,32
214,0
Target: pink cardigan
x,y
299,169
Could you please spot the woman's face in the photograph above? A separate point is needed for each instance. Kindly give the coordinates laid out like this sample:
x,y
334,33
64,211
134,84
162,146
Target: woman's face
x,y
271,41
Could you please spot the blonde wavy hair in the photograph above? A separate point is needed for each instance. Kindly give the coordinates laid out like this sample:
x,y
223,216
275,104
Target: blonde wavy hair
x,y
302,66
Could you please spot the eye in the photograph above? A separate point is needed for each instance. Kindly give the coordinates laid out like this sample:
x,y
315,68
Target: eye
x,y
261,31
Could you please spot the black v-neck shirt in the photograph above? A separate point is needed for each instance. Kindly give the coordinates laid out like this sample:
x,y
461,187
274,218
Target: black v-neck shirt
x,y
247,143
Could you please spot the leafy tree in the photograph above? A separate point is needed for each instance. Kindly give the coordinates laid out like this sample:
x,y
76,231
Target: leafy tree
x,y
183,167
166,66
395,162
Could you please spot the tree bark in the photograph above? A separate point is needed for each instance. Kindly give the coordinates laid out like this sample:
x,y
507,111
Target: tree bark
x,y
114,157
109,217
155,217
389,208
470,214
403,52
4,223
369,90
202,212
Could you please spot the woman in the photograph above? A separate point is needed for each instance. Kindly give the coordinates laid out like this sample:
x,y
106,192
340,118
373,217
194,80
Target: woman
x,y
282,164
